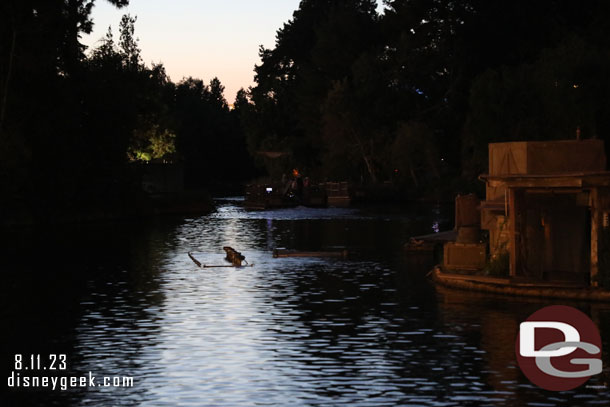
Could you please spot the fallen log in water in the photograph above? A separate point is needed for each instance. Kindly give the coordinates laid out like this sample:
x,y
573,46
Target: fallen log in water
x,y
207,266
194,260
298,253
234,263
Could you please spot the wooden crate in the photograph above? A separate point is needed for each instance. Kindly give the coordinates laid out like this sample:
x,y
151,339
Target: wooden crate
x,y
464,256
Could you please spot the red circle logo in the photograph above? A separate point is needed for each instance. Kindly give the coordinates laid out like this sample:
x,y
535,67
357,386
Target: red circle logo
x,y
558,348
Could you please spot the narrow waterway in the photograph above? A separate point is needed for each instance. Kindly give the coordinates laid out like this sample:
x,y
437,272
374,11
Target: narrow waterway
x,y
124,299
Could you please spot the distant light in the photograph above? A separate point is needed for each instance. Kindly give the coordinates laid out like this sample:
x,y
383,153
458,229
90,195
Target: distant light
x,y
576,86
269,190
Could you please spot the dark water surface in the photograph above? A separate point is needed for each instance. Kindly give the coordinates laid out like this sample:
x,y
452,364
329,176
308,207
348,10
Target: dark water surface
x,y
124,299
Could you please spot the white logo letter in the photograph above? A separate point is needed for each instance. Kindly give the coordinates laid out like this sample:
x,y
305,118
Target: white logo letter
x,y
527,343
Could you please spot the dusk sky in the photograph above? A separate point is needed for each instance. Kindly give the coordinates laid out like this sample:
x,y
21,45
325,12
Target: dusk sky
x,y
200,38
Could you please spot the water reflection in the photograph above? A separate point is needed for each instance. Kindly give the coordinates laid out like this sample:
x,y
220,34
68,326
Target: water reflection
x,y
366,331
495,326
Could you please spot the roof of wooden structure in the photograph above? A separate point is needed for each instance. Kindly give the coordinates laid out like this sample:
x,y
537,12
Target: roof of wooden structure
x,y
564,180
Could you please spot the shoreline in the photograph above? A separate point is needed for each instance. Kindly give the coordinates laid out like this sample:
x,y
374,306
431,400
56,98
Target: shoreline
x,y
192,202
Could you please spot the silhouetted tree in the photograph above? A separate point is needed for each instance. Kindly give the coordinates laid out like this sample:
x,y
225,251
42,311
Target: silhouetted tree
x,y
315,48
208,135
565,89
41,113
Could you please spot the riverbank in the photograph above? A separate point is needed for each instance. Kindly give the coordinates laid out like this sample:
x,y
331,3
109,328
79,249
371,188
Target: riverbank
x,y
130,206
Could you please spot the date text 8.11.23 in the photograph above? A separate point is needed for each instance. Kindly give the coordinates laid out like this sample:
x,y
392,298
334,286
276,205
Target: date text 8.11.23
x,y
38,362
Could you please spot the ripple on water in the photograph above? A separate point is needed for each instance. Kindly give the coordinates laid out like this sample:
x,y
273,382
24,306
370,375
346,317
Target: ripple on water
x,y
300,332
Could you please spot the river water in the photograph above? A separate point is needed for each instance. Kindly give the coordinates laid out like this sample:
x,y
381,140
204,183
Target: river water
x,y
124,300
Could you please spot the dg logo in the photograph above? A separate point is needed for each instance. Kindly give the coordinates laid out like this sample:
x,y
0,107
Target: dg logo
x,y
559,348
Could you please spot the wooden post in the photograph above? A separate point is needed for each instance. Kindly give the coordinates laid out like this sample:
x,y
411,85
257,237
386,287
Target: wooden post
x,y
596,218
513,231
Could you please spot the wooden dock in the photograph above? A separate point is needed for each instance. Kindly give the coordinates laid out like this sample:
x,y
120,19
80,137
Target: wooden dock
x,y
338,193
429,243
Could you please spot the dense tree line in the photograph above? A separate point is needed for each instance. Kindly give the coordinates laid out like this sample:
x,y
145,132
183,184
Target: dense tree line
x,y
415,94
74,123
412,95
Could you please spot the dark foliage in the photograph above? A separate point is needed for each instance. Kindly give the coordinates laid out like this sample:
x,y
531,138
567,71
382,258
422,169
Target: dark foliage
x,y
74,126
417,92
411,96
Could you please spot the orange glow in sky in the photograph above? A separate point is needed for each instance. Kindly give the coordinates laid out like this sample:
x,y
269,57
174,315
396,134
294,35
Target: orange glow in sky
x,y
200,38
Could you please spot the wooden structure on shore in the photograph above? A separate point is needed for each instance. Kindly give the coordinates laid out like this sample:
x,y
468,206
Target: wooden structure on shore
x,y
547,210
466,251
546,206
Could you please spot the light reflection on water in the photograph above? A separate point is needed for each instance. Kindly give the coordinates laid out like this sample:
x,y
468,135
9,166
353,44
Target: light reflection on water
x,y
366,331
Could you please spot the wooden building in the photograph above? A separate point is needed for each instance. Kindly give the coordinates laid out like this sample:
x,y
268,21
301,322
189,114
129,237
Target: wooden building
x,y
546,204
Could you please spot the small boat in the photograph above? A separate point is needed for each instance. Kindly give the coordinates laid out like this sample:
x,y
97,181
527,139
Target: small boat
x,y
274,196
298,253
